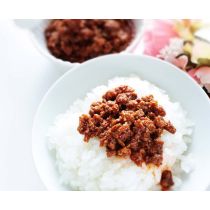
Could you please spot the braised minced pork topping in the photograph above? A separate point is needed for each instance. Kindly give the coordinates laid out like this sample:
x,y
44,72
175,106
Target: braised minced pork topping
x,y
78,40
166,180
128,126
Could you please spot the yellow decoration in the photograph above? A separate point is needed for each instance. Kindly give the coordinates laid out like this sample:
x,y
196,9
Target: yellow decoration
x,y
186,28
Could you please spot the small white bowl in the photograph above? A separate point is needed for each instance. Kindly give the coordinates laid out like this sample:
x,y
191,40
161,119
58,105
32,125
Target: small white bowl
x,y
36,29
82,78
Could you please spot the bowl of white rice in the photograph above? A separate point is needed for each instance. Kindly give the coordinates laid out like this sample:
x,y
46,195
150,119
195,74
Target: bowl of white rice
x,y
65,162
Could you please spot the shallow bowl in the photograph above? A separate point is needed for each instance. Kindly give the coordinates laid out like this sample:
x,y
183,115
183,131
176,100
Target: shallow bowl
x,y
82,78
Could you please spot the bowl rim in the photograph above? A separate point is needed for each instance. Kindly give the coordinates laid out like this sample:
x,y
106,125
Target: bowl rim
x,y
126,55
204,95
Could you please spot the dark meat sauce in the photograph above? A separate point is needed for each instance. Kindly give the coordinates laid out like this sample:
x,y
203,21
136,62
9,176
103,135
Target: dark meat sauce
x,y
166,180
129,126
77,40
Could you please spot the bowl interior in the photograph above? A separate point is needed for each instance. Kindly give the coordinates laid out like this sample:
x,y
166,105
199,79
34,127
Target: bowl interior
x,y
81,79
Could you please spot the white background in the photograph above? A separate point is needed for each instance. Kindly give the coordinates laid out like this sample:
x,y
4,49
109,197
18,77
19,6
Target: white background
x,y
25,77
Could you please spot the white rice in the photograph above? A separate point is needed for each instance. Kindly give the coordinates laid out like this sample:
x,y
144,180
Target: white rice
x,y
85,166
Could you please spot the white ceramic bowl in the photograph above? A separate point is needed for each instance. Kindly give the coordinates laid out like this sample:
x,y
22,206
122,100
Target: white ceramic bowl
x,y
36,29
82,78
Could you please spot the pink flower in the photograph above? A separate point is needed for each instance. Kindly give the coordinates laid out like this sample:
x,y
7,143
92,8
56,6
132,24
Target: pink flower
x,y
202,76
157,35
180,62
173,53
192,73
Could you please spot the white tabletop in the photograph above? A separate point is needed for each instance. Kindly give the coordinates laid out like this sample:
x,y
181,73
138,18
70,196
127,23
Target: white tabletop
x,y
25,77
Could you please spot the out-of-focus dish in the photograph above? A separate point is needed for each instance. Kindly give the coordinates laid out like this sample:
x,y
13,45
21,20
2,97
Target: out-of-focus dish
x,y
37,28
84,78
